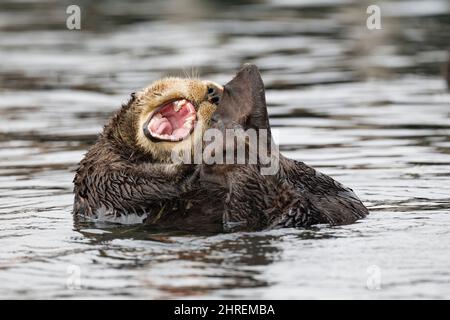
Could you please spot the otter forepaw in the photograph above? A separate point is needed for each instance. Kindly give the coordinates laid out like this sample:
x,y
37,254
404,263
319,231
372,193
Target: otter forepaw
x,y
297,216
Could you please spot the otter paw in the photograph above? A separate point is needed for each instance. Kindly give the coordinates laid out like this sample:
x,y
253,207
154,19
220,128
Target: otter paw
x,y
298,216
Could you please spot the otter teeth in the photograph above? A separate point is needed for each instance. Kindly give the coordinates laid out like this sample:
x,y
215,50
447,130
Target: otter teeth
x,y
190,119
174,121
177,105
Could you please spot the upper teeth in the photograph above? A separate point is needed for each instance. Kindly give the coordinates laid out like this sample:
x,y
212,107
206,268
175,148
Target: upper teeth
x,y
177,105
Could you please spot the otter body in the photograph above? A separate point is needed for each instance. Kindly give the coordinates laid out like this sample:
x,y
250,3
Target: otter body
x,y
128,176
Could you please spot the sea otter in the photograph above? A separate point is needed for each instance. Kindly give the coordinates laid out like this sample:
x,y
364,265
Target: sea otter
x,y
129,176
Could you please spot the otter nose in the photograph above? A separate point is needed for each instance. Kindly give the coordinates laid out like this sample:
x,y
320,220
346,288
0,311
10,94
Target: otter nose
x,y
214,92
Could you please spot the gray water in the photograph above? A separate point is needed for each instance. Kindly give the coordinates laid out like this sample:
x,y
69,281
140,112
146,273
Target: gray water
x,y
369,108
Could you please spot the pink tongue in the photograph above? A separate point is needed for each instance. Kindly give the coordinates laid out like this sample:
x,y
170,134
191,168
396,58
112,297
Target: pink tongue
x,y
161,126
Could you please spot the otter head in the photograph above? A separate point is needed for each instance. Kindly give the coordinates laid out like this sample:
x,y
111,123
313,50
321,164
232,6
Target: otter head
x,y
173,113
170,113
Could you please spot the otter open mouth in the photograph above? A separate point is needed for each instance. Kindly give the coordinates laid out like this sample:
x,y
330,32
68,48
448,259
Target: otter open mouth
x,y
173,121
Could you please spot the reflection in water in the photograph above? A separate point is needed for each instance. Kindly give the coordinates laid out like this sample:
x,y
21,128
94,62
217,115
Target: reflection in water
x,y
367,107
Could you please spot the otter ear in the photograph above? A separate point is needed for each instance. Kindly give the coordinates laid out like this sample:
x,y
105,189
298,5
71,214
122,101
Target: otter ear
x,y
243,101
